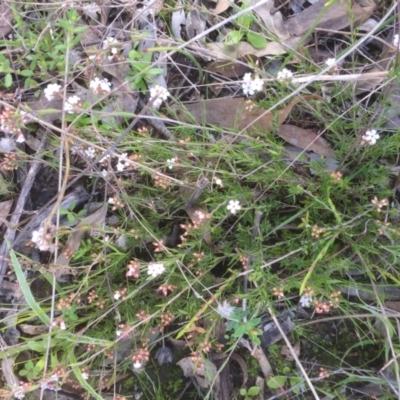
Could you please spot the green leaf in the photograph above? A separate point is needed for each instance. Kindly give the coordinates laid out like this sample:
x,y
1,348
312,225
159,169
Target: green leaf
x,y
257,41
26,72
240,331
8,80
26,290
243,392
36,346
253,391
276,382
233,38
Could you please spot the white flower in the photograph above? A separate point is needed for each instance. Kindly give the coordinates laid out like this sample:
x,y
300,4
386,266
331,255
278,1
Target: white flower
x,y
225,309
111,200
100,85
118,333
104,173
109,42
42,242
371,137
117,295
218,182
170,163
330,62
20,138
155,269
7,145
63,327
19,394
85,376
158,94
137,365
233,206
396,40
305,301
50,90
284,75
90,152
69,105
250,85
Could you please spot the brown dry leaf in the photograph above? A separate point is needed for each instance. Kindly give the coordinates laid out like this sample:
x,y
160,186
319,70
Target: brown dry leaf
x,y
242,364
5,207
237,113
306,139
6,17
334,17
262,359
393,305
287,354
33,330
204,372
74,241
229,69
219,51
222,5
273,22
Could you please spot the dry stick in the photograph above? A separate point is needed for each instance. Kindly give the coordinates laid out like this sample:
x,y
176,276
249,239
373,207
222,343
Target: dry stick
x,y
288,344
11,231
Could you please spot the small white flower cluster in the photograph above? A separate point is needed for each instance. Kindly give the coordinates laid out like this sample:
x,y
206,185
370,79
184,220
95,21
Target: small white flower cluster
x,y
225,309
7,145
137,365
396,41
305,301
250,85
233,206
171,162
51,90
123,162
50,383
284,75
155,269
100,86
69,105
370,137
90,152
159,94
20,393
42,241
218,181
113,44
330,62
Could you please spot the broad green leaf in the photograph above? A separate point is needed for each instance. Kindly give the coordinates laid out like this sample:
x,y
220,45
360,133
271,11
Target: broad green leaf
x,y
8,80
257,41
276,382
253,391
233,38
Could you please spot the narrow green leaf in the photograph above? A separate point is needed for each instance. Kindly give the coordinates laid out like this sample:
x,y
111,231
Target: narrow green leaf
x,y
26,290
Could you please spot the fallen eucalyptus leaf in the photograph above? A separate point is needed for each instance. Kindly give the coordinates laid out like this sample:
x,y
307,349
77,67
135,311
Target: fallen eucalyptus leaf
x,y
222,5
306,139
237,113
5,207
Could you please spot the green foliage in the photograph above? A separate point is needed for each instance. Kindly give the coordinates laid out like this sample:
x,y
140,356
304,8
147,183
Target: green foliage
x,y
250,393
